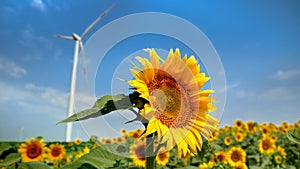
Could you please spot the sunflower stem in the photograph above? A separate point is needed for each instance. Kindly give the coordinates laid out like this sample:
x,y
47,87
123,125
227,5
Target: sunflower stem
x,y
150,156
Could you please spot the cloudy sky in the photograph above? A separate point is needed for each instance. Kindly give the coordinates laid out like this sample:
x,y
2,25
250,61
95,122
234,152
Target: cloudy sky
x,y
257,42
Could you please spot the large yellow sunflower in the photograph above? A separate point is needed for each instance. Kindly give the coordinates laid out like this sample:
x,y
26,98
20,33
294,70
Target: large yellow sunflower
x,y
235,156
56,152
33,150
177,108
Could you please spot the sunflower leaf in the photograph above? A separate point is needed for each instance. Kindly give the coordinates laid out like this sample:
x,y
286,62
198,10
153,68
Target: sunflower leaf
x,y
291,136
102,106
100,157
4,147
30,165
11,159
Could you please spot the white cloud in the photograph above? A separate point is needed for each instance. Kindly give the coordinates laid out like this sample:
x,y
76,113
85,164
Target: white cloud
x,y
33,99
285,75
11,68
37,109
281,93
40,99
244,93
228,87
30,39
38,4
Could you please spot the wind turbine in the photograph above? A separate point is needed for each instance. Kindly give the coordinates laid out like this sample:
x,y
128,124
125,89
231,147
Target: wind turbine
x,y
78,43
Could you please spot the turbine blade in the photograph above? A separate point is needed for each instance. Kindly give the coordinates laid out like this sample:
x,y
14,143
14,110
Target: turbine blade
x,y
83,61
64,37
87,30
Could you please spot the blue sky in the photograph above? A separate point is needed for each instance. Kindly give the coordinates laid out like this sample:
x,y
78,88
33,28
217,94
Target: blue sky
x,y
257,42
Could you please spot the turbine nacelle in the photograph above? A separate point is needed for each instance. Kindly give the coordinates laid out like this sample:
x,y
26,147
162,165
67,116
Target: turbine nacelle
x,y
76,37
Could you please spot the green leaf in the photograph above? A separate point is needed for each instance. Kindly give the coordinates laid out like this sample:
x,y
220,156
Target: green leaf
x,y
11,159
4,147
102,106
188,167
216,146
31,165
255,167
205,148
100,157
291,136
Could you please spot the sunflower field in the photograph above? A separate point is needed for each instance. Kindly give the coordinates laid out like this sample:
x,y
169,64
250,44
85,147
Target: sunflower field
x,y
241,146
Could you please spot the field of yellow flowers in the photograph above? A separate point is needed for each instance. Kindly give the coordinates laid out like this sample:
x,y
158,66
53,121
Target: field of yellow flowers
x,y
241,146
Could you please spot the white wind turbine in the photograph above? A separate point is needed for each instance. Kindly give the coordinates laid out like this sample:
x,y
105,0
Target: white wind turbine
x,y
78,43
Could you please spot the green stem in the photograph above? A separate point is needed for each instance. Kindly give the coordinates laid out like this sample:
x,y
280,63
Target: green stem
x,y
150,156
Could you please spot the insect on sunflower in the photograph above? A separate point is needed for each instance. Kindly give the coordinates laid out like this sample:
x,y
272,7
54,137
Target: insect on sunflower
x,y
177,107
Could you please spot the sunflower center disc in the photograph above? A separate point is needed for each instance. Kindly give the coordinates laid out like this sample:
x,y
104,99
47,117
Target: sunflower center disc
x,y
56,152
33,151
166,98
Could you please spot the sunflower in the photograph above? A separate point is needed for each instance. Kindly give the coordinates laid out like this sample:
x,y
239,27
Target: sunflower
x,y
239,137
220,157
274,137
137,153
33,150
177,107
285,125
251,127
278,158
214,136
227,141
241,166
281,151
208,165
266,145
238,124
298,122
56,152
106,141
162,157
265,130
123,132
77,141
235,156
135,134
79,154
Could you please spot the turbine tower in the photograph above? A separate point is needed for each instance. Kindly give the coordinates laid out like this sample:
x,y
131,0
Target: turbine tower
x,y
78,43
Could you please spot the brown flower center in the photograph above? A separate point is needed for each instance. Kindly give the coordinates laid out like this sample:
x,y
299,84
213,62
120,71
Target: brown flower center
x,y
171,101
235,156
140,152
56,151
266,144
33,151
162,156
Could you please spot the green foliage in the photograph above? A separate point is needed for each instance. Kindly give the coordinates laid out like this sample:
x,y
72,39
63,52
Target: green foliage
x,y
100,157
293,137
4,147
11,159
114,154
102,106
33,165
